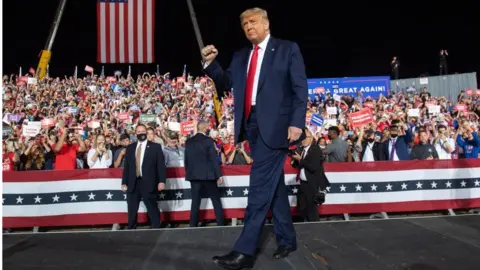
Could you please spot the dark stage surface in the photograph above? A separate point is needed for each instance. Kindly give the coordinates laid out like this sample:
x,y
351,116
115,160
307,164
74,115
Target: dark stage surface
x,y
415,244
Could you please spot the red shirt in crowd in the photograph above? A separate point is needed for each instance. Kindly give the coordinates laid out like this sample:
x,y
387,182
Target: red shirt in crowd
x,y
66,158
8,161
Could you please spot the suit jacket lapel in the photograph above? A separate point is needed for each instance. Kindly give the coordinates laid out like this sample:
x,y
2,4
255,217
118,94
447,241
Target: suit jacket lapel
x,y
239,94
267,63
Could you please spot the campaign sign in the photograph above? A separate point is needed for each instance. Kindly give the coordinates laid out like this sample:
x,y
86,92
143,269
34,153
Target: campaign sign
x,y
317,120
369,86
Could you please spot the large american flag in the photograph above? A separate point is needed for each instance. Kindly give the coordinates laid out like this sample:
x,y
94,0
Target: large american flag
x,y
125,31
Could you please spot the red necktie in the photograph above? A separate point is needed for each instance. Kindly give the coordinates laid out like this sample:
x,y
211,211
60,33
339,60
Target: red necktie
x,y
250,80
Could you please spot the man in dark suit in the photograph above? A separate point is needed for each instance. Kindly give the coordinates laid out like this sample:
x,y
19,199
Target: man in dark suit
x,y
270,95
396,146
203,172
312,177
369,149
143,176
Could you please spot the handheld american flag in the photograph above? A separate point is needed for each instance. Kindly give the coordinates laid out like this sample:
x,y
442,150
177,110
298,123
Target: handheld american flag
x,y
125,31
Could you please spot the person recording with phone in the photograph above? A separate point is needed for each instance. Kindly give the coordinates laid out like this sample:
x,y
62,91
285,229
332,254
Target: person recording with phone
x,y
468,139
66,151
99,156
313,181
240,155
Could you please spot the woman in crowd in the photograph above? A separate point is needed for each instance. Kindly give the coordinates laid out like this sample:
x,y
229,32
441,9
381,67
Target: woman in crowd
x,y
99,157
33,158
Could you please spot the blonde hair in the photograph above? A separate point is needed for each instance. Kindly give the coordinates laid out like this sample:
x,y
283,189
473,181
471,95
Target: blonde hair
x,y
252,11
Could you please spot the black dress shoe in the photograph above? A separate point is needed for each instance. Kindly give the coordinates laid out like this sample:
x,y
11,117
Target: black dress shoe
x,y
234,261
282,252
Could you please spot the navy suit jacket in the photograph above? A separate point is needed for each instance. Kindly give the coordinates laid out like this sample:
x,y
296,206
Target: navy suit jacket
x,y
153,167
401,146
201,159
282,92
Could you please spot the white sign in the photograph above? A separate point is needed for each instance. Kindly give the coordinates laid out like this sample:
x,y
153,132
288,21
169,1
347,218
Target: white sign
x,y
231,126
332,110
174,126
32,129
434,109
337,97
32,81
330,122
414,112
423,80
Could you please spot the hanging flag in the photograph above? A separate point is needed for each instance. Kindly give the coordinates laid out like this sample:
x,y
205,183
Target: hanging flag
x,y
125,31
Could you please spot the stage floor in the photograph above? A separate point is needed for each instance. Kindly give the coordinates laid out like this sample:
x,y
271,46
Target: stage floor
x,y
416,244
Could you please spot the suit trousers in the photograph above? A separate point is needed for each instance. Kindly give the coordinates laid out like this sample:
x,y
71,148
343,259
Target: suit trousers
x,y
149,199
267,191
305,204
213,192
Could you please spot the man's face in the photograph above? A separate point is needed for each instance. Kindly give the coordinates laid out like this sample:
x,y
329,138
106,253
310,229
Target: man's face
x,y
126,142
423,137
140,130
394,131
308,140
332,134
255,28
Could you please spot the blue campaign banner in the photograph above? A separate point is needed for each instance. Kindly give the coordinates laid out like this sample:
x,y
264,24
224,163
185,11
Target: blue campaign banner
x,y
316,120
369,86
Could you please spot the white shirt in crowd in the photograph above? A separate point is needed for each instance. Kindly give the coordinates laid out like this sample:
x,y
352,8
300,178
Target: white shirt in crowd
x,y
395,156
102,162
368,155
143,145
303,177
442,150
261,53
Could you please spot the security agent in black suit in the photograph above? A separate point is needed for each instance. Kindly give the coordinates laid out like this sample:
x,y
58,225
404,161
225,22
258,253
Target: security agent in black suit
x,y
203,172
143,176
313,181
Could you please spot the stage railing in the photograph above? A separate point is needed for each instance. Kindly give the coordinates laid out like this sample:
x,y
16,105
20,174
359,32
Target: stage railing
x,y
93,197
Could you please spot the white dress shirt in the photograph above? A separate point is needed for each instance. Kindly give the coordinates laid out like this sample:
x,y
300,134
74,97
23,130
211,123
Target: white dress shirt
x,y
101,162
303,177
395,156
143,145
261,53
368,155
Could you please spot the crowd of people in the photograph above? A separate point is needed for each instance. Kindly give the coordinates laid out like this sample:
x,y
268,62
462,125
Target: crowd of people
x,y
86,123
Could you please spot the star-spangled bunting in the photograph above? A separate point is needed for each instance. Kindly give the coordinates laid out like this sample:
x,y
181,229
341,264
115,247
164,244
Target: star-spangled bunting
x,y
237,192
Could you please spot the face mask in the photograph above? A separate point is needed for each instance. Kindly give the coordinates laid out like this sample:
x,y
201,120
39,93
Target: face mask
x,y
322,146
142,137
393,135
370,140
